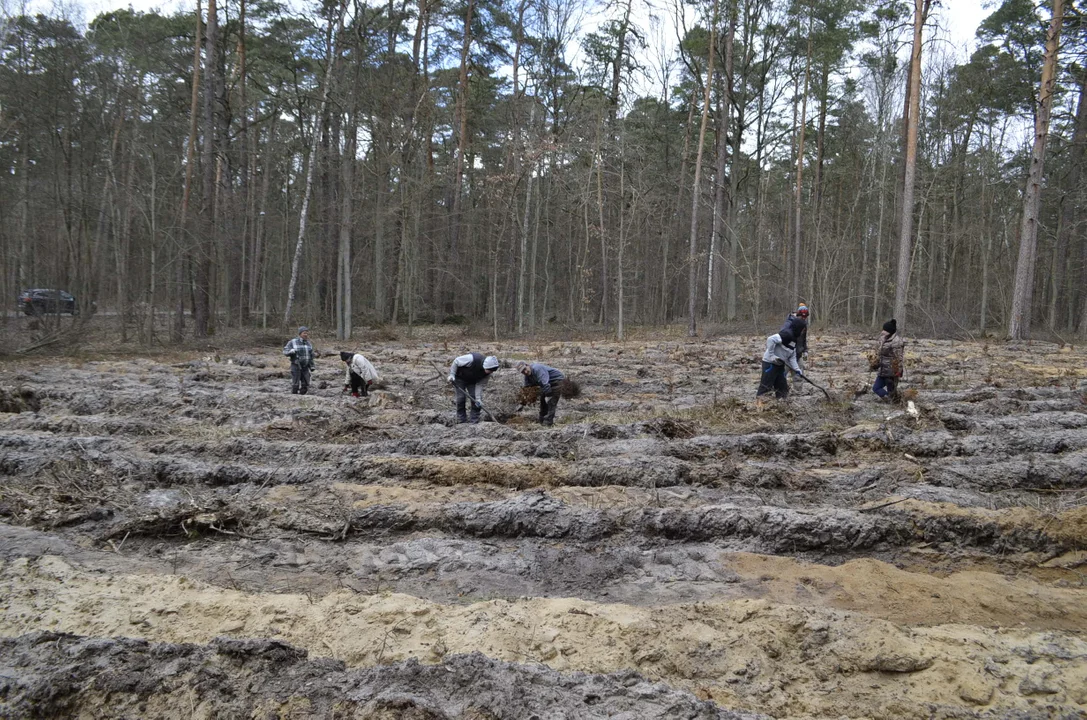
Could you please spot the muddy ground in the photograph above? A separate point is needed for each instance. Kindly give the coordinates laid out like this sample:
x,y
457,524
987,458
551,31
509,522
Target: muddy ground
x,y
182,537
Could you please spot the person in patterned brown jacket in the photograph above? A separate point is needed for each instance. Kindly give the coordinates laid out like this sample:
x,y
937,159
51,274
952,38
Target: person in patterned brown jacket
x,y
889,360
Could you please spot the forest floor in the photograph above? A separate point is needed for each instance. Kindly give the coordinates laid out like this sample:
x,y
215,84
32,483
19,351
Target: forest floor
x,y
181,537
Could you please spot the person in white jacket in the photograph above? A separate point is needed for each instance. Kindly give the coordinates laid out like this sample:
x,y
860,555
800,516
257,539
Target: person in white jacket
x,y
780,353
360,374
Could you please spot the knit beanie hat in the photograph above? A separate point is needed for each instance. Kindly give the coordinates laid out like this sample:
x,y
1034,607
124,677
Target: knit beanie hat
x,y
346,356
891,326
521,365
490,363
802,310
787,338
303,329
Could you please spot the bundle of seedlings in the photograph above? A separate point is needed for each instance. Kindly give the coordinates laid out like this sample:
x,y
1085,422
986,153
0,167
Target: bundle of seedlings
x,y
568,389
17,400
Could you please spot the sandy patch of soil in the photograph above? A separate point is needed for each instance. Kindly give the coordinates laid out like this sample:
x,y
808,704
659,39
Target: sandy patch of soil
x,y
744,653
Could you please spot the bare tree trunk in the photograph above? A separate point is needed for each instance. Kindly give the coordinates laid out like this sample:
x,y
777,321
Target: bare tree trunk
x,y
603,232
517,148
343,270
25,247
619,329
205,246
877,266
717,230
1023,293
240,272
905,238
692,254
1070,201
461,111
798,229
314,145
718,234
256,271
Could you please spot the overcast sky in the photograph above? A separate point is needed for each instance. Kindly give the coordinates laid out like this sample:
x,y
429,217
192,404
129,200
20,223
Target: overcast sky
x,y
960,18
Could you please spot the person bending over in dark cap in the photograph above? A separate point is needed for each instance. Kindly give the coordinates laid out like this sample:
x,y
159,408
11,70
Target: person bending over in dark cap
x,y
547,379
780,354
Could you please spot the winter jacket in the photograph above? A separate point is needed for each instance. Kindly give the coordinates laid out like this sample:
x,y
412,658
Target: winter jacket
x,y
545,377
300,352
468,369
891,356
361,367
798,326
778,354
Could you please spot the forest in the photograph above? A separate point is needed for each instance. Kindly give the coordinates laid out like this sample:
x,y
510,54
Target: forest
x,y
525,165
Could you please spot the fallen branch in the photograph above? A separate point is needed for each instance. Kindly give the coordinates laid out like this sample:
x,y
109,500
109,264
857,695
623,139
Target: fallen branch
x,y
44,343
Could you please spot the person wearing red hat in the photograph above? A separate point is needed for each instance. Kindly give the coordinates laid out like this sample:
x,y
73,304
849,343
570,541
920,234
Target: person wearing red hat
x,y
797,324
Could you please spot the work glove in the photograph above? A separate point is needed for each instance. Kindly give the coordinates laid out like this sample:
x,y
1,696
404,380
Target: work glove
x,y
799,373
451,379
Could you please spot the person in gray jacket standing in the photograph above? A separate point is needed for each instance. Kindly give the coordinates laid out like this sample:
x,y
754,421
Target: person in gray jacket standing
x,y
547,379
300,352
780,353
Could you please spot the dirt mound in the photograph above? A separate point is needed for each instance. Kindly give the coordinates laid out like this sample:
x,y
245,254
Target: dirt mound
x,y
57,675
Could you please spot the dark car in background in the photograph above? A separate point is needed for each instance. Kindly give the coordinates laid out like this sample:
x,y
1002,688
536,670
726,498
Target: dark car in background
x,y
41,301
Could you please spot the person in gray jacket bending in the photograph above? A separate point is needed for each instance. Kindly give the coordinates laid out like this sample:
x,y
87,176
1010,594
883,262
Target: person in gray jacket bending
x,y
547,379
780,353
468,374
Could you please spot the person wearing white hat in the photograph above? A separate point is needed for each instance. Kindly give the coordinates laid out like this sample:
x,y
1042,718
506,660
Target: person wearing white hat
x,y
468,374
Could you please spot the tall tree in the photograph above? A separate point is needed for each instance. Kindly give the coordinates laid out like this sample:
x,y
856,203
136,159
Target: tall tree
x,y
1023,292
335,28
696,185
912,119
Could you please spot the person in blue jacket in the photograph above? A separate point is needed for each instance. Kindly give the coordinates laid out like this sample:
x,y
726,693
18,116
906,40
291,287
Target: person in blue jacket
x,y
547,379
797,324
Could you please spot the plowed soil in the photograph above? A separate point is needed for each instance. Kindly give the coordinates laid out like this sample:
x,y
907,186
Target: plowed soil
x,y
181,537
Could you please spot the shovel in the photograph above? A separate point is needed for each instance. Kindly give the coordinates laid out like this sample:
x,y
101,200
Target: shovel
x,y
470,399
819,387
